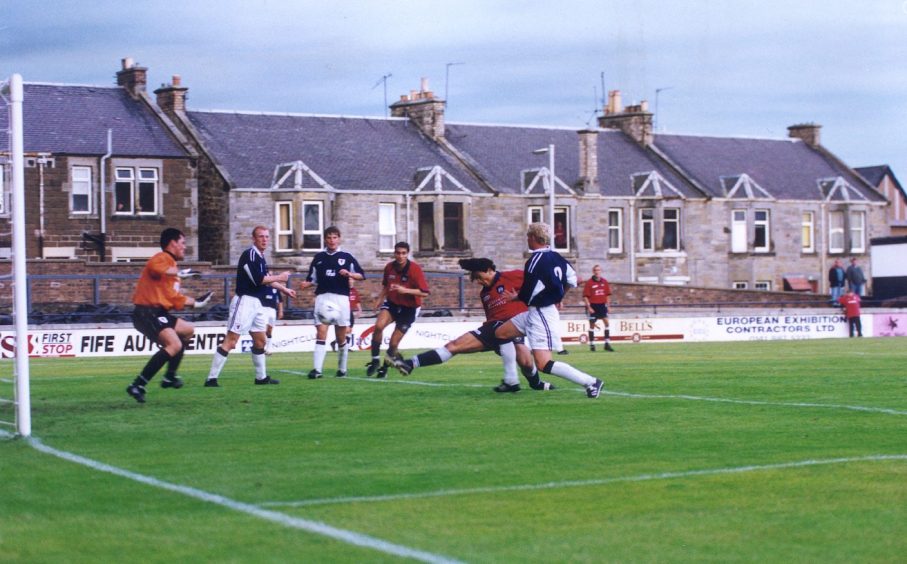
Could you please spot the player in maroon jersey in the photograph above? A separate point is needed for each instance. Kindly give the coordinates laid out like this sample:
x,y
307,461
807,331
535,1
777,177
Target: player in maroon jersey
x,y
498,309
403,288
597,297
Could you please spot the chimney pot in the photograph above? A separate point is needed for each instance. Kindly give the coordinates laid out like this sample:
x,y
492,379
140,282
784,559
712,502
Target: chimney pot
x,y
176,80
424,84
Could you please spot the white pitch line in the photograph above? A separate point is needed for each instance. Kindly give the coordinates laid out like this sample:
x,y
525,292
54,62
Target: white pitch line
x,y
758,402
583,483
885,410
316,527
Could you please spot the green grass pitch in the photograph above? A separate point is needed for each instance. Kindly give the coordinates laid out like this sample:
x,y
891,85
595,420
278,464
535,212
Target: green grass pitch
x,y
758,451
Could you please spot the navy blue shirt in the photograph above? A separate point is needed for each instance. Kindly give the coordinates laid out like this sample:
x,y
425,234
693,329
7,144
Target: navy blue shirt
x,y
546,277
323,272
272,299
250,272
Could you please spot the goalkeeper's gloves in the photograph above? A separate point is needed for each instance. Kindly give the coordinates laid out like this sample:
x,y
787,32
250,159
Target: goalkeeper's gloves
x,y
188,273
203,300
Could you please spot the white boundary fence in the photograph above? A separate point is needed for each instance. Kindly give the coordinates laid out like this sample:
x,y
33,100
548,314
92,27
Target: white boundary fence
x,y
123,340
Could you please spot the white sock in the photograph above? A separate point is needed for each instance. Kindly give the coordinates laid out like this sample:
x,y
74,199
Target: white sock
x,y
567,372
217,364
258,361
320,352
444,354
342,356
508,357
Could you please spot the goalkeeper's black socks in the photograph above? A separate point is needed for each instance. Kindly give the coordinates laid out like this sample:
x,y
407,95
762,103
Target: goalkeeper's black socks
x,y
160,358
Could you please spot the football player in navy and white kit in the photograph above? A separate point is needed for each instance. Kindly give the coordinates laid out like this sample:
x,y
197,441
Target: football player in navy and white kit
x,y
546,278
498,309
330,272
248,312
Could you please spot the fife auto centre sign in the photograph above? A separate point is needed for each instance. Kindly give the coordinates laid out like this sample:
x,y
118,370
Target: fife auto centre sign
x,y
424,334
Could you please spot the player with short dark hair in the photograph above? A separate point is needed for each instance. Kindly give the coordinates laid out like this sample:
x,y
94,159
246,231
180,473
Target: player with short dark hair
x,y
402,289
331,272
247,308
597,297
546,277
156,295
497,310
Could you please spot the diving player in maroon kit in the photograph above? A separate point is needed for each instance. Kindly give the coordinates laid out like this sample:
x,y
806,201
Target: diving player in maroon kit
x,y
498,309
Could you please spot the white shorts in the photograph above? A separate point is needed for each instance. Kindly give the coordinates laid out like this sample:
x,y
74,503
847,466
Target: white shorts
x,y
271,316
247,315
541,327
332,309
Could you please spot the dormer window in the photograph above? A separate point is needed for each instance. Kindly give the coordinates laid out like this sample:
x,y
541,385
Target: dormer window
x,y
653,185
742,187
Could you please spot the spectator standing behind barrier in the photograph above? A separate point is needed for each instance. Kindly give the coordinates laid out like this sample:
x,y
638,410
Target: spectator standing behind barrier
x,y
856,280
851,304
837,276
156,294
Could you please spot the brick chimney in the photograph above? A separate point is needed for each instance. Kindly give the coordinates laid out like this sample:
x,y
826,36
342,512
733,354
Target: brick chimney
x,y
635,120
133,77
172,97
423,109
588,161
808,132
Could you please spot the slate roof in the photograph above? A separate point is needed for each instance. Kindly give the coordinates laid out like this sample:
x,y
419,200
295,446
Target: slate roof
x,y
875,174
349,153
73,120
502,152
788,169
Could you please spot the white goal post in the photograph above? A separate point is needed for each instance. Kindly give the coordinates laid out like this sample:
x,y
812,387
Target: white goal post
x,y
13,93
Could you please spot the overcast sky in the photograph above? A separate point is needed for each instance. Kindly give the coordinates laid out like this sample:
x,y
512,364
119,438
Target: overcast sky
x,y
728,68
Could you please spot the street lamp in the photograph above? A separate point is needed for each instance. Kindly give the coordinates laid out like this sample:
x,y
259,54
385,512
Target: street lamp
x,y
550,181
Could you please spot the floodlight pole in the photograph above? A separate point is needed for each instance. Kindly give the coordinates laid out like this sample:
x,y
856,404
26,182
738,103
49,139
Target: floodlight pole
x,y
550,181
20,279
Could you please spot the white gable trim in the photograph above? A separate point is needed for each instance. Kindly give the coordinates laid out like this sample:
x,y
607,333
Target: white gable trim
x,y
434,180
654,186
840,190
296,169
746,188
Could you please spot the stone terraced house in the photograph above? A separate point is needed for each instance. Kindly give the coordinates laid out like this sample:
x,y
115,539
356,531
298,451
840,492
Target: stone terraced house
x,y
722,212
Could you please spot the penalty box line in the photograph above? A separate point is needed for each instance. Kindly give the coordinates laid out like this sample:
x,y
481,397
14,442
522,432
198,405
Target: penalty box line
x,y
585,483
342,535
631,395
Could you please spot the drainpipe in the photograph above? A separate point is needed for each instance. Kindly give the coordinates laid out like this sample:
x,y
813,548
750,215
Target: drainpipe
x,y
41,161
409,235
632,241
103,208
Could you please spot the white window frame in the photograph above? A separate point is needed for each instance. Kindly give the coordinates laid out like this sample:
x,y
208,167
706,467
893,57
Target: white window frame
x,y
738,231
836,231
309,231
80,185
647,228
762,225
387,227
2,188
740,285
764,285
124,175
857,232
283,226
538,214
807,232
147,176
615,230
665,222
